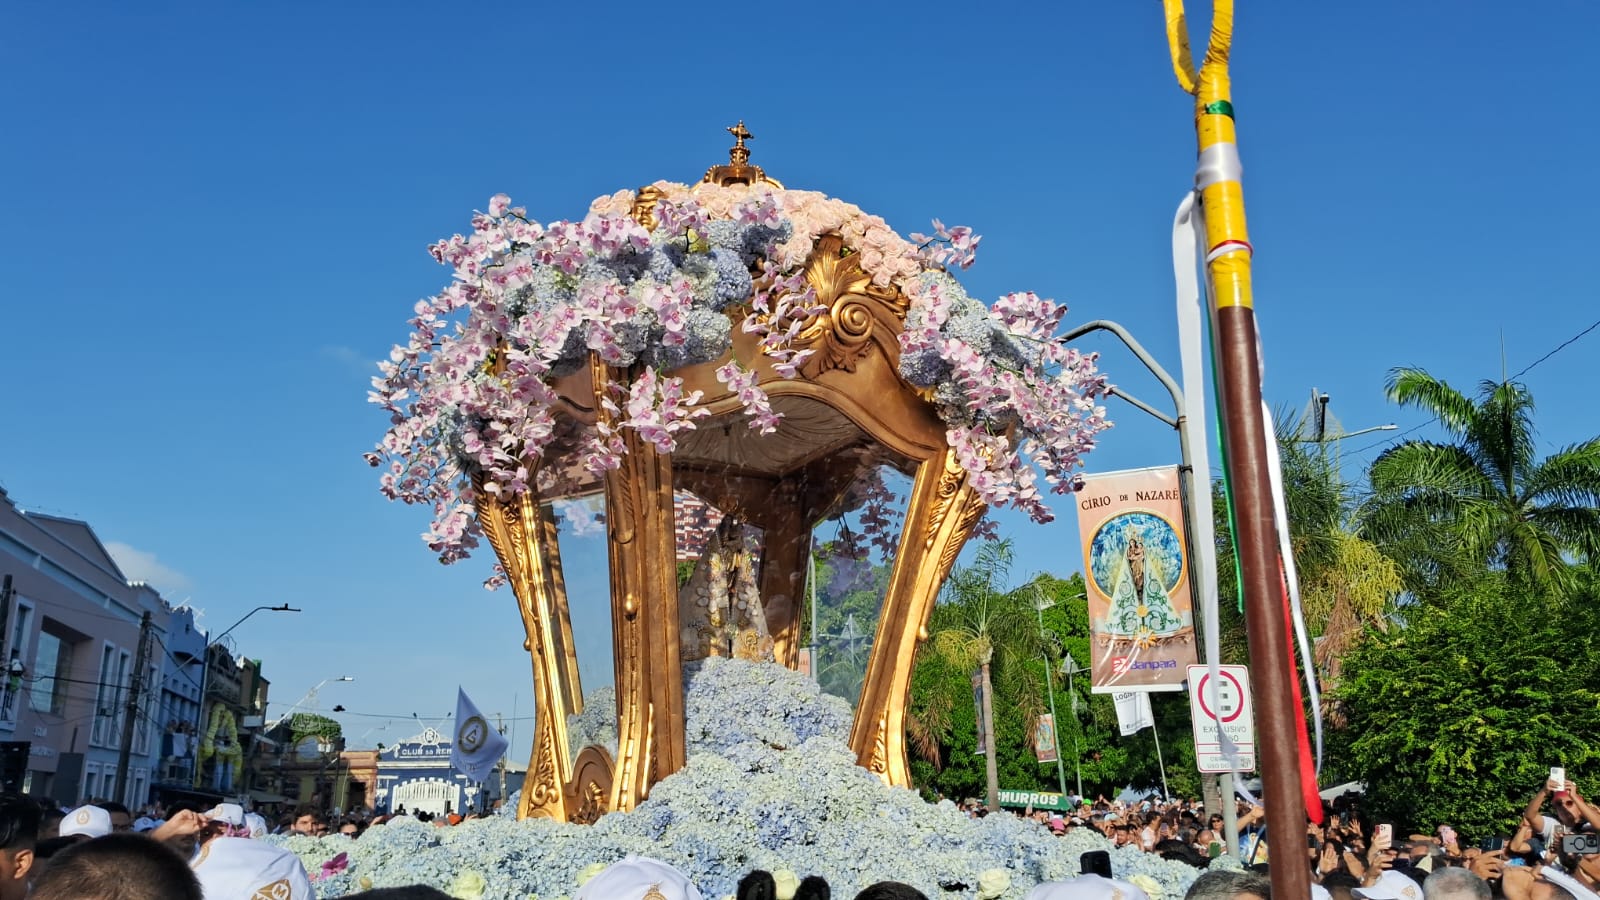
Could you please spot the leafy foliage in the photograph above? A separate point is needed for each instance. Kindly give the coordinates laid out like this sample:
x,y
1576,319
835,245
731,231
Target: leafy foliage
x,y
303,725
1484,500
1456,717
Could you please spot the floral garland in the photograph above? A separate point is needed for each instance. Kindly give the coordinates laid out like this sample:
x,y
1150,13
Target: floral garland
x,y
232,753
470,394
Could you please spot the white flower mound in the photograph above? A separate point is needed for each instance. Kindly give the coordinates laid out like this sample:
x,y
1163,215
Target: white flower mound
x,y
770,784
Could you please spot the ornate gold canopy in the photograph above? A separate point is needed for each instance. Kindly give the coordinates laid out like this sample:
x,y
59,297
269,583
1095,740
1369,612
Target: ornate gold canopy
x,y
846,411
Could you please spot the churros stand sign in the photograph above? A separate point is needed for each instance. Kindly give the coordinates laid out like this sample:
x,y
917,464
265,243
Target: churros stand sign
x,y
1136,563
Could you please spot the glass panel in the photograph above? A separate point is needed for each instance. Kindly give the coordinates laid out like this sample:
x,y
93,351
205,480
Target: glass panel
x,y
45,664
720,606
852,559
581,567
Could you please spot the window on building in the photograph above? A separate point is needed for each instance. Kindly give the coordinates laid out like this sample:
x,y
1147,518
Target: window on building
x,y
22,617
52,666
91,782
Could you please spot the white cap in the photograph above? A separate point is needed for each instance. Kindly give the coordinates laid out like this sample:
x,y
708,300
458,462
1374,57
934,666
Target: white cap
x,y
256,825
1391,885
232,813
145,823
91,821
231,867
1088,887
1318,892
636,878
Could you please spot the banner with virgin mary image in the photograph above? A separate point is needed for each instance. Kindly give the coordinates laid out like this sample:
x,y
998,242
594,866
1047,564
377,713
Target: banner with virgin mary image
x,y
1136,566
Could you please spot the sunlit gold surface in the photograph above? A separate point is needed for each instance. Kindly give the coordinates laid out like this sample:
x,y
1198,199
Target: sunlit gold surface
x,y
523,539
589,791
943,511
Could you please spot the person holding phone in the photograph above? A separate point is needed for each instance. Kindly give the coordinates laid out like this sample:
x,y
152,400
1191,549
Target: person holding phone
x,y
1572,812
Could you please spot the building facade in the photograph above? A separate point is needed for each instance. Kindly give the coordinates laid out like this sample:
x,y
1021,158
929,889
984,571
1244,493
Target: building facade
x,y
73,633
415,775
178,711
70,636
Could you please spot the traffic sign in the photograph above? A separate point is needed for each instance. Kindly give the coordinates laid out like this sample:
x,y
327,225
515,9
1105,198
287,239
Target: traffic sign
x,y
1233,718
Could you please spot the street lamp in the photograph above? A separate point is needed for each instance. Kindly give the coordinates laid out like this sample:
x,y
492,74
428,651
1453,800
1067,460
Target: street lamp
x,y
1069,667
310,697
205,663
1041,602
324,747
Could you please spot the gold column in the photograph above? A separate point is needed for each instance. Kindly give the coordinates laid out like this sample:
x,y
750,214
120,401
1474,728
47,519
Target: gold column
x,y
942,513
644,611
566,652
522,539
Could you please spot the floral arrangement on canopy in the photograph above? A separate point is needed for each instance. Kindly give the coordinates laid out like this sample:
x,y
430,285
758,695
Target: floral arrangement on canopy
x,y
471,394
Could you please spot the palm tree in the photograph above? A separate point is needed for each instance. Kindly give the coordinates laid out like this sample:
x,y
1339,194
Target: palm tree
x,y
1485,499
1346,583
982,625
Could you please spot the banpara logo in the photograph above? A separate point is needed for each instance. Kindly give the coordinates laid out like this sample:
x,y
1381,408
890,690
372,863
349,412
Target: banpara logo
x,y
1122,665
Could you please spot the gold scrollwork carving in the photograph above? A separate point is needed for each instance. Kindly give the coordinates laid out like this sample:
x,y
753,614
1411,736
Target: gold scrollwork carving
x,y
879,764
855,312
543,797
589,796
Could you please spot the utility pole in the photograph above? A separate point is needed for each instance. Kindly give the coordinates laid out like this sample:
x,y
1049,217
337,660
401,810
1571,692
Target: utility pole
x,y
130,717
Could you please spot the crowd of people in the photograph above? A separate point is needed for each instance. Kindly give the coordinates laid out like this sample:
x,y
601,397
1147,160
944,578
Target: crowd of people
x,y
103,850
1554,856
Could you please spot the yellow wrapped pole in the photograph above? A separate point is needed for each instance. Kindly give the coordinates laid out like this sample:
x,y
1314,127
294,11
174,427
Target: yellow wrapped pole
x,y
1245,432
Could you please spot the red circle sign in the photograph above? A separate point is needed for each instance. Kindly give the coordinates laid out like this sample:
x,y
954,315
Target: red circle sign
x,y
1230,696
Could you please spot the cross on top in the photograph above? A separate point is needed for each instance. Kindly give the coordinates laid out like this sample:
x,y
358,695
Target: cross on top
x,y
740,134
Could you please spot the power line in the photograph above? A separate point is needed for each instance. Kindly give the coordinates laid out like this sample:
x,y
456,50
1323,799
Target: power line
x,y
1390,440
1562,346
182,667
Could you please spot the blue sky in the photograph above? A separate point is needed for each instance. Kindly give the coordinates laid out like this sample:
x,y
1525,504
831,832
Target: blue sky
x,y
214,216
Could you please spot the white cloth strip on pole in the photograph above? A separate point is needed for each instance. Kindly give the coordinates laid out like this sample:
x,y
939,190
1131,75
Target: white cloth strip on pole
x,y
1280,515
1188,235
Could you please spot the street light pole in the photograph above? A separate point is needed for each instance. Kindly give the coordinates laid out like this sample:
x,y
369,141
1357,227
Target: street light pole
x,y
310,696
1040,603
1186,486
1077,756
205,669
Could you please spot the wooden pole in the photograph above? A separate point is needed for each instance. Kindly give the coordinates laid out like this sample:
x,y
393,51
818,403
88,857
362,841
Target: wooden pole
x,y
1245,430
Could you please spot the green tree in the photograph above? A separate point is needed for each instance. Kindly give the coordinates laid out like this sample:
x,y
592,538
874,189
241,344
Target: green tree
x,y
1456,717
1484,499
1346,583
984,625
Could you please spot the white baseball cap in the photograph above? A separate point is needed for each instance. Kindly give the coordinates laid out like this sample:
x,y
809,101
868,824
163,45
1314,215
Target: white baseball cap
x,y
1391,885
256,825
636,878
232,813
1088,887
231,867
145,823
90,821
